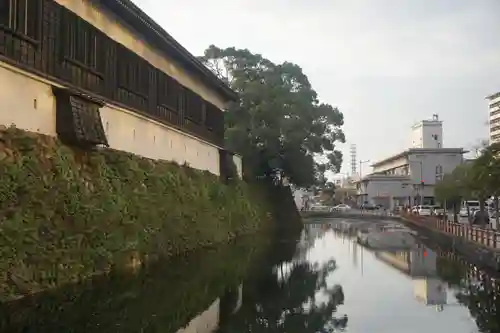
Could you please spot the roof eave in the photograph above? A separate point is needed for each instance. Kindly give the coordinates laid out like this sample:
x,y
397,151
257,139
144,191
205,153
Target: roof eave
x,y
493,96
141,22
391,158
415,150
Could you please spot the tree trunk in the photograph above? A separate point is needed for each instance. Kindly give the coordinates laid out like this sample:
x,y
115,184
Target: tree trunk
x,y
482,218
496,212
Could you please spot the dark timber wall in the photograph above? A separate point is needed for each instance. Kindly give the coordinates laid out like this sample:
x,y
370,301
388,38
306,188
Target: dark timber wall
x,y
47,39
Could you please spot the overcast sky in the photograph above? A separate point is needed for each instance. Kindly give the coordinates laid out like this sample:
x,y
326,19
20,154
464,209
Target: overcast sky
x,y
385,64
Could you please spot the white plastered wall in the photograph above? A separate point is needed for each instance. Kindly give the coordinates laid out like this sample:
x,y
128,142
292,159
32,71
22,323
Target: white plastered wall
x,y
27,102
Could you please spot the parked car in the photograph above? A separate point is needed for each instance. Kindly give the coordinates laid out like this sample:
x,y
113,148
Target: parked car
x,y
399,209
422,210
438,211
369,206
342,208
320,208
425,210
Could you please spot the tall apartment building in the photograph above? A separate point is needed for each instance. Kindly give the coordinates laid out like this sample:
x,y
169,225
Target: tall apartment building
x,y
494,117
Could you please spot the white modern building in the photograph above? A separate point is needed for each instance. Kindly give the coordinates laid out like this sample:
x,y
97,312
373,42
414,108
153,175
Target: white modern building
x,y
428,133
494,117
409,177
303,198
342,180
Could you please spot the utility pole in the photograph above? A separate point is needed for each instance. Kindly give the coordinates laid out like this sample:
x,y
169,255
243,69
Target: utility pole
x,y
360,167
421,187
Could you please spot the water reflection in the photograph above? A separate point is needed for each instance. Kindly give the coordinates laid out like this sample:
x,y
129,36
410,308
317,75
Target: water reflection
x,y
187,294
293,297
420,264
319,281
402,285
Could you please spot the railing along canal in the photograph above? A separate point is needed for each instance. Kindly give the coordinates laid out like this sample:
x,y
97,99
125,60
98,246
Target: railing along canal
x,y
485,237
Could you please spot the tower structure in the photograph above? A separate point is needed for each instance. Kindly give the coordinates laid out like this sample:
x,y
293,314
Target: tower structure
x,y
353,160
428,133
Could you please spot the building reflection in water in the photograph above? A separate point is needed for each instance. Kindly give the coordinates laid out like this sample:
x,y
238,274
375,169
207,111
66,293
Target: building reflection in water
x,y
205,322
420,264
208,321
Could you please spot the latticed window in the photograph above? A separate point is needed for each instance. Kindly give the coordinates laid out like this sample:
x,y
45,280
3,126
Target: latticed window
x,y
168,91
133,72
213,116
193,106
21,16
81,43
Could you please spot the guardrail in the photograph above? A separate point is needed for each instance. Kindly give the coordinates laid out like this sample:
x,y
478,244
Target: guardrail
x,y
485,237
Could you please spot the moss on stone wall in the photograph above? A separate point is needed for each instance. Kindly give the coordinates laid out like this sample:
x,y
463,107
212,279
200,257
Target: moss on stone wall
x,y
67,214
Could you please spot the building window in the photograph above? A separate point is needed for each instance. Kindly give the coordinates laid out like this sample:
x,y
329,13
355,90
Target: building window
x,y
439,172
494,104
21,17
214,117
168,92
495,121
495,128
193,106
133,79
495,137
133,73
81,43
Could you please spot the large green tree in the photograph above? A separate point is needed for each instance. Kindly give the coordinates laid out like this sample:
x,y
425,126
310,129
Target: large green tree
x,y
485,176
478,179
278,125
455,187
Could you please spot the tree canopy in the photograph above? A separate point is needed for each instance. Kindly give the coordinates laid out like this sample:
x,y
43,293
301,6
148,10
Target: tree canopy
x,y
278,125
477,179
297,301
454,186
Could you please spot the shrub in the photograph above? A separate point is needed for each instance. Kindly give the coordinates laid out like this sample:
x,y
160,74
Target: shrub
x,y
67,214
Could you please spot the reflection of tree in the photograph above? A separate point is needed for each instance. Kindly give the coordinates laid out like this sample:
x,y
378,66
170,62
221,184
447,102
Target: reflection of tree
x,y
482,300
479,295
450,271
160,298
301,301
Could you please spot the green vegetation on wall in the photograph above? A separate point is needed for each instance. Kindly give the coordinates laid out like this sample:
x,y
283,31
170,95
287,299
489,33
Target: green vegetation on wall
x,y
66,214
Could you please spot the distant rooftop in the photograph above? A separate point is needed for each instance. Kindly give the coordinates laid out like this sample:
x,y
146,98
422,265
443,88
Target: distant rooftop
x,y
419,151
495,95
434,121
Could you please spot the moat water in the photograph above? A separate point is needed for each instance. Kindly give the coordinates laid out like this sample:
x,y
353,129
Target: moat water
x,y
319,281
